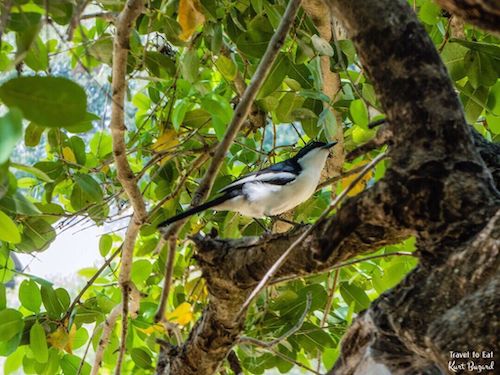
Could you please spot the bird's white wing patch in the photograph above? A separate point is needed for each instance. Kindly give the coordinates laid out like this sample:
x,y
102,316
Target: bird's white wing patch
x,y
264,177
260,191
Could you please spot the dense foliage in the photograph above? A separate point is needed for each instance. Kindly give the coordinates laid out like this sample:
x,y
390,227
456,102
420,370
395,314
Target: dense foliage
x,y
189,62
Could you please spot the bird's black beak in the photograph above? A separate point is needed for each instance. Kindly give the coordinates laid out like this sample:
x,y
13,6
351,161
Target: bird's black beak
x,y
329,145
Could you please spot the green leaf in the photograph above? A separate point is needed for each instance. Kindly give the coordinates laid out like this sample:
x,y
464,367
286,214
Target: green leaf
x,y
29,295
141,358
474,101
226,67
359,113
11,130
141,270
37,235
71,363
86,191
218,106
37,57
453,57
9,231
14,361
3,297
48,101
63,298
105,243
33,134
78,147
276,76
254,42
288,103
159,64
328,123
488,48
197,118
81,338
480,69
51,302
53,169
430,13
83,126
11,323
102,49
101,144
32,170
353,293
179,112
189,65
38,343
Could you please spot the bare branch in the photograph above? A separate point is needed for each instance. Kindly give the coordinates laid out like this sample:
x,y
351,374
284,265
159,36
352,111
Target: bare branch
x,y
124,24
108,326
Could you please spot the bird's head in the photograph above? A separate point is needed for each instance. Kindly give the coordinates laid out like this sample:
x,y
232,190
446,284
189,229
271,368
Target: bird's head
x,y
314,152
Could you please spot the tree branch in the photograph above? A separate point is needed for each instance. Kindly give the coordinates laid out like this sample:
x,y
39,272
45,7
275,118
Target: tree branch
x,y
418,324
124,24
482,13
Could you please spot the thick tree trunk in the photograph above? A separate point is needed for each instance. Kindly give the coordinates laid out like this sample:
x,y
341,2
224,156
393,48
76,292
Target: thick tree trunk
x,y
440,187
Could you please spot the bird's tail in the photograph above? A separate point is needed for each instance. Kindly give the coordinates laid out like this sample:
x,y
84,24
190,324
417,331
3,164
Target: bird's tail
x,y
194,210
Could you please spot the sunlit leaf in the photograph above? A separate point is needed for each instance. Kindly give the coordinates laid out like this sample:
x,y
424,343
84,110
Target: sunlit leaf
x,y
47,101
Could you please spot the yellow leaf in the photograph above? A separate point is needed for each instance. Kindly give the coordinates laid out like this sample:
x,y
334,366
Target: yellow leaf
x,y
167,140
61,339
152,329
68,155
182,315
196,289
190,17
359,187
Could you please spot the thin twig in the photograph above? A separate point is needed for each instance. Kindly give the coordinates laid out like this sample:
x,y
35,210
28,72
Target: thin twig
x,y
274,268
91,281
87,347
340,177
107,328
348,263
109,324
326,311
108,16
234,363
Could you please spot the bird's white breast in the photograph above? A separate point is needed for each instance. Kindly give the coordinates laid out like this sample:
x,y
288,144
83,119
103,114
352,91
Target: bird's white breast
x,y
262,199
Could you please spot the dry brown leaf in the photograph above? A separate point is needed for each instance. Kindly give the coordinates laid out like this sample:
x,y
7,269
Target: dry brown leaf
x,y
190,17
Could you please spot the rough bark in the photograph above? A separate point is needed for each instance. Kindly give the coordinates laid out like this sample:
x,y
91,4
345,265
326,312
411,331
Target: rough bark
x,y
482,13
444,194
440,187
414,327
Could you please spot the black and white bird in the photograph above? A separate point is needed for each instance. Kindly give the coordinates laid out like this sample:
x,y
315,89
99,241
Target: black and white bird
x,y
270,191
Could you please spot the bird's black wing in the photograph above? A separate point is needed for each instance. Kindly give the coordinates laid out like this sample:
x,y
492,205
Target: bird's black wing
x,y
277,174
